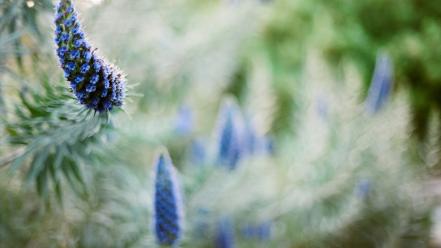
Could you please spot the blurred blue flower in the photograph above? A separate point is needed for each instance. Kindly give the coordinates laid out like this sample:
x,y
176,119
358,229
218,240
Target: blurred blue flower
x,y
198,153
230,146
260,231
225,234
322,107
80,64
255,144
251,140
184,121
201,223
363,188
167,209
267,145
381,84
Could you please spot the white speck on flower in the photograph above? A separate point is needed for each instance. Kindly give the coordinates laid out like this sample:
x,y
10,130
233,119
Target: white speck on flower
x,y
30,3
96,2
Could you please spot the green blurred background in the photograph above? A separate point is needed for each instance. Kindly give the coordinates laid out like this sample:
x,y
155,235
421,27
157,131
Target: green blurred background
x,y
300,71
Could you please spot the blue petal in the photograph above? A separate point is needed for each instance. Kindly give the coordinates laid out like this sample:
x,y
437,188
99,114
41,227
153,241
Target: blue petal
x,y
90,88
85,68
79,79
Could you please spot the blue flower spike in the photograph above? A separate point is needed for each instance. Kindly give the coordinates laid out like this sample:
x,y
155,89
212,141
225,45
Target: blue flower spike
x,y
225,234
167,203
230,142
96,84
381,84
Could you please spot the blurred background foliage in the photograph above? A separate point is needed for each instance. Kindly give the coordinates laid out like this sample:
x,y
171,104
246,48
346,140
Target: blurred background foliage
x,y
332,174
356,31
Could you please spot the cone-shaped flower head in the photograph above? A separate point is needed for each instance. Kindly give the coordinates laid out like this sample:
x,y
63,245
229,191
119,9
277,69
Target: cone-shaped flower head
x,y
230,147
225,234
95,83
167,209
381,84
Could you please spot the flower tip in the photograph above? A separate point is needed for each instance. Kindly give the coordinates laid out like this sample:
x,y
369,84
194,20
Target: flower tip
x,y
381,84
230,130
